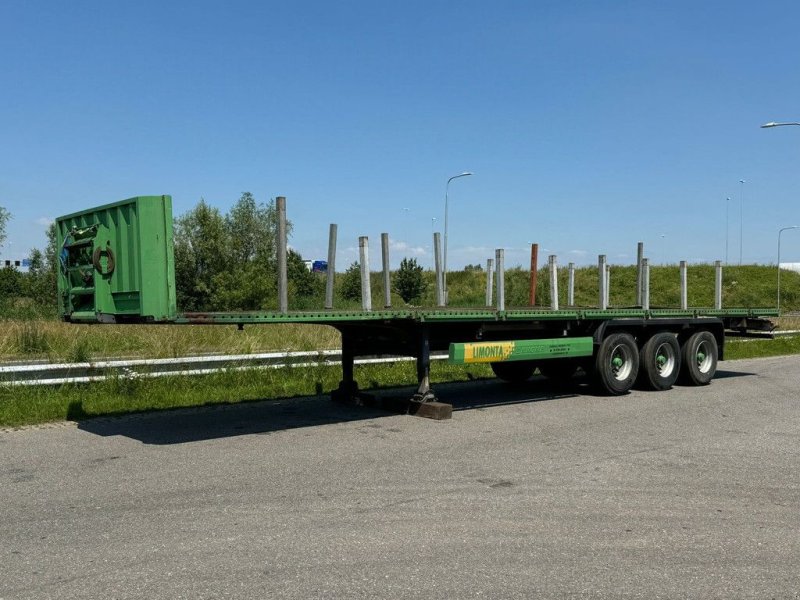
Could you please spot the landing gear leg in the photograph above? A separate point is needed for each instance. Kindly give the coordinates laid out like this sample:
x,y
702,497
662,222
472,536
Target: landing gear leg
x,y
348,387
424,403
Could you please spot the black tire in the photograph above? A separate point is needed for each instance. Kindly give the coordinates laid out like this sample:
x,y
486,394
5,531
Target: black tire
x,y
660,362
699,358
514,371
560,369
616,364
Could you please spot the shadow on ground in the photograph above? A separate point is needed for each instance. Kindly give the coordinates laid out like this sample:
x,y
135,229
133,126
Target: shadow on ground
x,y
180,426
261,417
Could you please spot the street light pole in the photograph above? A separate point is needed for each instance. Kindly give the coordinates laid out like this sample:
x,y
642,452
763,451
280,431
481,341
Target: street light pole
x,y
780,231
444,268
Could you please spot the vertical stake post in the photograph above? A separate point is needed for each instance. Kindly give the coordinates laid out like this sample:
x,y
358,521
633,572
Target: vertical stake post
x,y
608,285
387,284
684,286
601,276
571,284
437,256
639,258
501,283
534,273
283,274
646,284
489,280
363,255
552,264
718,285
331,271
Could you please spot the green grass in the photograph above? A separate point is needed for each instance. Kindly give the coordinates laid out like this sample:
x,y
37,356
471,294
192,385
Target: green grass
x,y
755,348
39,404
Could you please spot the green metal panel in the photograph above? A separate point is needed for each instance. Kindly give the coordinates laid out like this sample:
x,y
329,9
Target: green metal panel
x,y
117,261
482,352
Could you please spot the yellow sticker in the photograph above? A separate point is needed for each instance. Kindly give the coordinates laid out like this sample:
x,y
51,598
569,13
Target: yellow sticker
x,y
487,351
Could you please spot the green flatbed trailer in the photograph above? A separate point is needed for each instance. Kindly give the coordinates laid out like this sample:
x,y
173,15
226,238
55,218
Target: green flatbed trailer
x,y
117,266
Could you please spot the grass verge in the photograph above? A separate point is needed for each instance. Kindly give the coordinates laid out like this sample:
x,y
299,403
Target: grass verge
x,y
31,405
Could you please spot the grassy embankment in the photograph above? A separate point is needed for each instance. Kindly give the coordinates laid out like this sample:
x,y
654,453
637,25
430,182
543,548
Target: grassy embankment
x,y
744,286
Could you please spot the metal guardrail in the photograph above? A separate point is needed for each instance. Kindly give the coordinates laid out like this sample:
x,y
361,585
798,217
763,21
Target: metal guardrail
x,y
58,374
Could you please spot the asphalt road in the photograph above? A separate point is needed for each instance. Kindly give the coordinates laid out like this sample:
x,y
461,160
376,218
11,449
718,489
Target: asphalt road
x,y
527,492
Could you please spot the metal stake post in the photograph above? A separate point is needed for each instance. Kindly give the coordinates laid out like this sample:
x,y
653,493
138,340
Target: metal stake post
x,y
553,268
571,284
387,286
331,272
639,257
437,256
283,275
489,280
363,254
684,286
601,275
718,285
645,284
501,283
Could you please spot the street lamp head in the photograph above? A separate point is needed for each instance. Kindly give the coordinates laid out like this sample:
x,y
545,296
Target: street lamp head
x,y
742,181
770,124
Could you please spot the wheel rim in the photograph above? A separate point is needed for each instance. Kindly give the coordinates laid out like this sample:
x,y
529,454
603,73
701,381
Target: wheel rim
x,y
665,359
703,357
621,363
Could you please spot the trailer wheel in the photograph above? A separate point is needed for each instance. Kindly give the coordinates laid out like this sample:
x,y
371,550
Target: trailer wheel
x,y
699,358
515,371
558,369
617,364
661,359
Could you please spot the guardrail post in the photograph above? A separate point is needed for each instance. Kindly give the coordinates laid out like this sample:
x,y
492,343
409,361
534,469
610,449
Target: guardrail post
x,y
639,258
331,271
501,283
363,254
387,284
553,268
645,284
571,284
283,276
489,280
601,276
684,286
437,260
718,285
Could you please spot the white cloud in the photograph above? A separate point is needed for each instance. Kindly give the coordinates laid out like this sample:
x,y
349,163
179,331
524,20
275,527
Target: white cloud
x,y
44,221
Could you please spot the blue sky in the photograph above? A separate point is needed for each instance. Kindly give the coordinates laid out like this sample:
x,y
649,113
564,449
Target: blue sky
x,y
589,125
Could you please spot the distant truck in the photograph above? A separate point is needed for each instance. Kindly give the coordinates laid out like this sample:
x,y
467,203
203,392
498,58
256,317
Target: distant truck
x,y
117,266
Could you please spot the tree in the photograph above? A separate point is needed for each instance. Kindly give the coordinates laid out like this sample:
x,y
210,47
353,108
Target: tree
x,y
5,216
351,282
200,255
408,282
303,280
227,262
